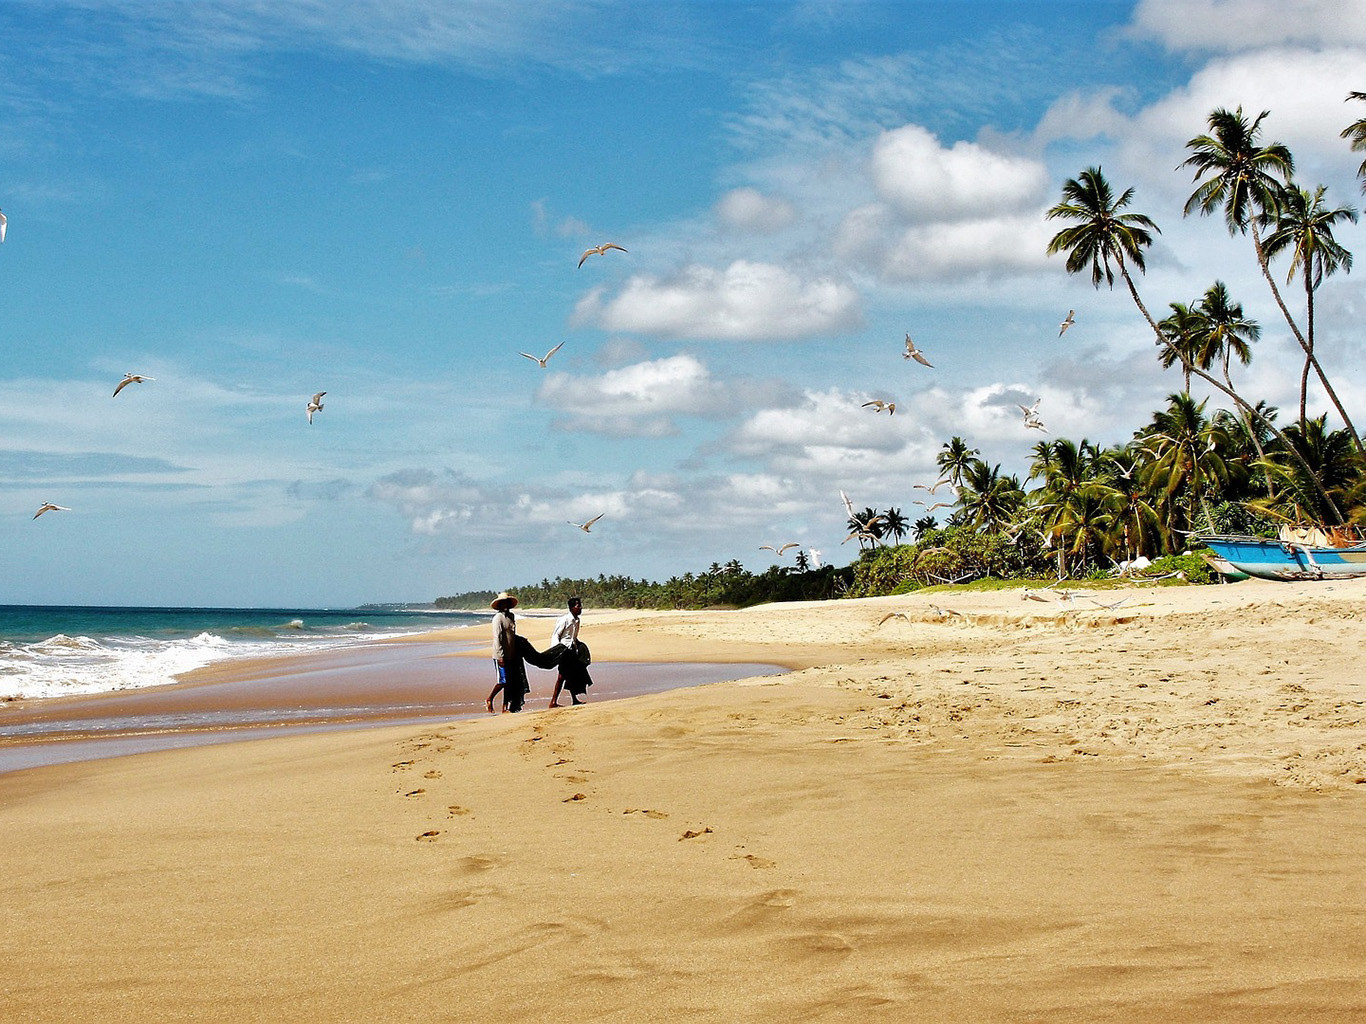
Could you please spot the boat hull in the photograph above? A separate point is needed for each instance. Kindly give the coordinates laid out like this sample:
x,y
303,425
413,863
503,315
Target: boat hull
x,y
1288,560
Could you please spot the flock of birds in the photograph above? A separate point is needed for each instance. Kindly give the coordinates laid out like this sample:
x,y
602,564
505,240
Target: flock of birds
x,y
864,527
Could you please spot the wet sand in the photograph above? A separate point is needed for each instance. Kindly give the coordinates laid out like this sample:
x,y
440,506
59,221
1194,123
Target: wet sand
x,y
981,809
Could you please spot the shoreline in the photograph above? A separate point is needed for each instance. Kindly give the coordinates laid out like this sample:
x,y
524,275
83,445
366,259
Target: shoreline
x,y
958,806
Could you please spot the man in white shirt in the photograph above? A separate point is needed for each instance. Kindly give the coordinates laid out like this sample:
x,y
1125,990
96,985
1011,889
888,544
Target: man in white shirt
x,y
567,633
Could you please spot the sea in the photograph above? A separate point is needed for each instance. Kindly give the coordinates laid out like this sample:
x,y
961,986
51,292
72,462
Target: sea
x,y
53,651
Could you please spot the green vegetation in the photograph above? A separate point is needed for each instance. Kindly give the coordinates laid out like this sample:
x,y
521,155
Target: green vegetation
x,y
1188,469
720,586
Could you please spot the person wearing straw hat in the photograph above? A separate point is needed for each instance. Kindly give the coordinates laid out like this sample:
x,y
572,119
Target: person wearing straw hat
x,y
507,657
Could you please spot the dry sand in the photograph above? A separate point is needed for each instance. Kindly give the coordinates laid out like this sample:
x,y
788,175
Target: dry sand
x,y
1026,811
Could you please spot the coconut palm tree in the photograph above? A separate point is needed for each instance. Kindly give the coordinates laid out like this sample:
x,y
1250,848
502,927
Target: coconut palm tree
x,y
1356,132
954,458
1102,235
1225,331
1249,182
922,526
1183,330
989,500
1187,463
1335,461
894,524
1303,227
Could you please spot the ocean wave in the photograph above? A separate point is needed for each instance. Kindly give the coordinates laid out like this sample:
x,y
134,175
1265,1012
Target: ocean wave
x,y
72,665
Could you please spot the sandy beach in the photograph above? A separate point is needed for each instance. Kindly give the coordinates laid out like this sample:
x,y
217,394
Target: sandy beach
x,y
981,808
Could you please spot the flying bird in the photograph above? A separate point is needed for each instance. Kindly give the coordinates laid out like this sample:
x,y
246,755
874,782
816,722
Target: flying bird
x,y
815,557
588,526
848,505
546,359
3,221
779,550
47,506
130,378
937,504
878,405
1031,415
599,251
936,485
315,404
893,615
914,353
1071,319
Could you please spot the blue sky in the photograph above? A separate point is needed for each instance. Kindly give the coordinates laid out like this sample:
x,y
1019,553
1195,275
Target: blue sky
x,y
252,201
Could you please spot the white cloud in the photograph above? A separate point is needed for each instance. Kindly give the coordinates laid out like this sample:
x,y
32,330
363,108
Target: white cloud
x,y
926,181
1228,25
747,209
640,399
746,301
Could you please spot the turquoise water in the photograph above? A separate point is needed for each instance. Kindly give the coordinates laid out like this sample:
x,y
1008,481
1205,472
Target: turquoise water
x,y
48,651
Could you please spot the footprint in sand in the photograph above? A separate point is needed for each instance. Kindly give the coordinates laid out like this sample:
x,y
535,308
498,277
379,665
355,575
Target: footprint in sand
x,y
429,836
403,765
690,834
433,774
754,862
575,797
645,811
455,810
415,792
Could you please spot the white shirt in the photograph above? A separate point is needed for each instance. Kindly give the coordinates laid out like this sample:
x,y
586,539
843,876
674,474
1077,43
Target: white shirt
x,y
566,630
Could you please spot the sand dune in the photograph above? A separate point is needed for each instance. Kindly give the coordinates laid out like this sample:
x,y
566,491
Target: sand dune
x,y
1023,812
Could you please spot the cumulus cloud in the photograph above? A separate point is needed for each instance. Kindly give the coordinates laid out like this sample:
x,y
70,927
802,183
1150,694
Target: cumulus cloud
x,y
636,400
1228,25
748,209
747,301
924,180
1303,89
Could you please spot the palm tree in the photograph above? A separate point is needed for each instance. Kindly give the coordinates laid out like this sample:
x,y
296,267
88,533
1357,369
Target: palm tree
x,y
1104,234
1249,182
1304,228
1356,131
894,524
989,500
1335,461
922,526
1225,331
954,458
1183,331
1187,463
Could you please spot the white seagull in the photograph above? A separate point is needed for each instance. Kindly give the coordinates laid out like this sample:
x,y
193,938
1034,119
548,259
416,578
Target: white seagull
x,y
588,526
130,378
779,550
1071,319
546,359
914,353
47,506
599,250
937,504
3,221
315,404
878,405
937,484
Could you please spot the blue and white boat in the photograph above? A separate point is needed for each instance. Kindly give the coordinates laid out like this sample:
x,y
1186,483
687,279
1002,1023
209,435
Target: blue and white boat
x,y
1295,555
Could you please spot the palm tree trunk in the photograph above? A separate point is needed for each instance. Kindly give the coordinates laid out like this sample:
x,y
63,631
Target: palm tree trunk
x,y
1304,374
1328,502
1304,344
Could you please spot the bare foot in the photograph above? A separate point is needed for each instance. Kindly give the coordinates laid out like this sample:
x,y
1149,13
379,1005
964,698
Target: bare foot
x,y
554,703
489,704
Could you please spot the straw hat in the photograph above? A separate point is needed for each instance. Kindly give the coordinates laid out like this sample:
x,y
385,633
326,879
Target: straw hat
x,y
504,600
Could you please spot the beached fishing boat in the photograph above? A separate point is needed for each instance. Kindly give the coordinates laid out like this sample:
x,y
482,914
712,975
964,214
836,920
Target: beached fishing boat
x,y
1294,555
